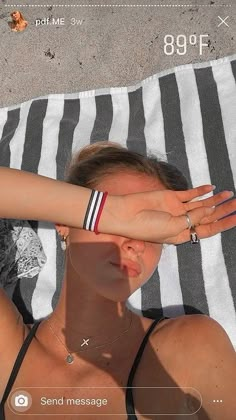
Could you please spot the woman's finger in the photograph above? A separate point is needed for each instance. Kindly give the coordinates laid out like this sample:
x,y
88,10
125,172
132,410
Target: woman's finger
x,y
188,195
206,231
210,201
208,226
221,211
178,224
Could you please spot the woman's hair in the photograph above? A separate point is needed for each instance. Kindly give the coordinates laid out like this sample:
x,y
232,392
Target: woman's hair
x,y
94,162
17,11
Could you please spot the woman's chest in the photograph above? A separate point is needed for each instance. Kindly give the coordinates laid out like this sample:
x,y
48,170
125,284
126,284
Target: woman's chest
x,y
45,389
42,387
55,394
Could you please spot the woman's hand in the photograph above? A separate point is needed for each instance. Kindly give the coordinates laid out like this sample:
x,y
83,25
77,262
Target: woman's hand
x,y
159,216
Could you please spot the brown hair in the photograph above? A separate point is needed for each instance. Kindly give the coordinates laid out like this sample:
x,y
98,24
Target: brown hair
x,y
96,161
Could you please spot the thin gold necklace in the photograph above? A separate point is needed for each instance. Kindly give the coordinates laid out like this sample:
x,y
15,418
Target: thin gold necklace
x,y
70,359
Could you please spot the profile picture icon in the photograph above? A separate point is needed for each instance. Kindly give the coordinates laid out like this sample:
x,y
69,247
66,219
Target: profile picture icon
x,y
18,23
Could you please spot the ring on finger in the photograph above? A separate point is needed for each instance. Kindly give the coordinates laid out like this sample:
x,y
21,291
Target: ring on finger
x,y
193,236
188,220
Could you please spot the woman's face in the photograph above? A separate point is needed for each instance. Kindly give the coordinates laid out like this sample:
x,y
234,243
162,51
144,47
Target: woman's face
x,y
15,16
90,257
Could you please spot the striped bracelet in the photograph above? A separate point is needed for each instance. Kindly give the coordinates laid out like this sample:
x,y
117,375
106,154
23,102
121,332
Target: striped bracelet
x,y
94,210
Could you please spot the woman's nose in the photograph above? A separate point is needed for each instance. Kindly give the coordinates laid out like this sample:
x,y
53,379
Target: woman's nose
x,y
137,245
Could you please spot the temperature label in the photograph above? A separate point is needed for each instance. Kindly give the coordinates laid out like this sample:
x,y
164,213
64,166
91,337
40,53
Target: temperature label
x,y
180,43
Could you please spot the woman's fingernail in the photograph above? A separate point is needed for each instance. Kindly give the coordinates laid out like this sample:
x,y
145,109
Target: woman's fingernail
x,y
213,187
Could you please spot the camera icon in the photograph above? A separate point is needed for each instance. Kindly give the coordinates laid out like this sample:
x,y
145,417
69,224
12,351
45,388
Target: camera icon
x,y
21,401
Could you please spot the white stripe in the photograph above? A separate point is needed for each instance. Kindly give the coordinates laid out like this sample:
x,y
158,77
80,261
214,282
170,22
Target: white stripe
x,y
121,113
192,128
170,289
86,94
97,210
134,302
154,126
50,136
46,284
226,88
83,129
41,301
91,210
3,120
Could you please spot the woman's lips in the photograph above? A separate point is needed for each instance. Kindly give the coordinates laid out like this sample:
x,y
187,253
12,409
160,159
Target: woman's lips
x,y
131,268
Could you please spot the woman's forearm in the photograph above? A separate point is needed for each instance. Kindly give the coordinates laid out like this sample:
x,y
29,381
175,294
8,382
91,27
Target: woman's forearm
x,y
155,216
29,196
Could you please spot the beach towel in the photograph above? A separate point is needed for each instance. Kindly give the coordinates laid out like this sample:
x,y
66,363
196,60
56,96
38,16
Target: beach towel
x,y
185,115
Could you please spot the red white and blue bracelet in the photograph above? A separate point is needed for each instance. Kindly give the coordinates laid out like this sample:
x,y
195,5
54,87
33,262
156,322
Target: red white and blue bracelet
x,y
94,210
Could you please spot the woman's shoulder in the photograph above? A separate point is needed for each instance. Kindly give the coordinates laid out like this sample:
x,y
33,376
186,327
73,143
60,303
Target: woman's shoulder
x,y
160,324
157,334
172,344
161,364
170,334
177,325
167,339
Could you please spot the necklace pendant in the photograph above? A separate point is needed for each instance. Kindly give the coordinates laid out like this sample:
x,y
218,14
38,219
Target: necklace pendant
x,y
70,358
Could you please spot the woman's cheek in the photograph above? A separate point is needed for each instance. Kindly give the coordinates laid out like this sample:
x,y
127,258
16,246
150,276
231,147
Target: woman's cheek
x,y
155,251
157,257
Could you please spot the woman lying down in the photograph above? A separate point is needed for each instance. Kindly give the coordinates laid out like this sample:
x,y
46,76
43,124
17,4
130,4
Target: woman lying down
x,y
93,357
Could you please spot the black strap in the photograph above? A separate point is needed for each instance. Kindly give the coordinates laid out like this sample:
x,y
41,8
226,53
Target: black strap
x,y
17,366
129,401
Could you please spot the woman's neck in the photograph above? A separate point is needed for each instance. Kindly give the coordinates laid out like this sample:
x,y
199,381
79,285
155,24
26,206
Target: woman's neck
x,y
89,325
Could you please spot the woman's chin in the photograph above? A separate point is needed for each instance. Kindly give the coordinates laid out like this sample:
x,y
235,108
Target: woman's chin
x,y
119,296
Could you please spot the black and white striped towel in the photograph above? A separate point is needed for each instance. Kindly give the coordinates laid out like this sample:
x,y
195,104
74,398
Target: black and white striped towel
x,y
188,116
